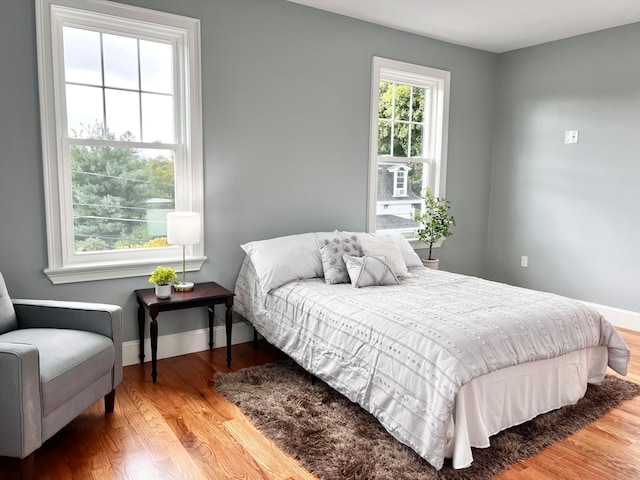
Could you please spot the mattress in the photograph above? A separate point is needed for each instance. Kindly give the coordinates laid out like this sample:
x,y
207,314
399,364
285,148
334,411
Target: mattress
x,y
443,361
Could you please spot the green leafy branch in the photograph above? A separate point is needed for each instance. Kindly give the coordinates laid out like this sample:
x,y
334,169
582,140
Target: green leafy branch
x,y
435,221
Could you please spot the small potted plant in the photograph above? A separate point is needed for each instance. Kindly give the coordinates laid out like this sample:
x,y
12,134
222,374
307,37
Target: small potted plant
x,y
163,277
435,223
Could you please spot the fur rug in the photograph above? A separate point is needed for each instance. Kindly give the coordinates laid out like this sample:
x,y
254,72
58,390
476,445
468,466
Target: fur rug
x,y
336,439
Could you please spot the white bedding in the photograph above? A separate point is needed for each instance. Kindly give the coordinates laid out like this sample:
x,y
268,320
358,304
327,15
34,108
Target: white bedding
x,y
409,354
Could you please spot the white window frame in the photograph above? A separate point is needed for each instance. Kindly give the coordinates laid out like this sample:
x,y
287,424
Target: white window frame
x,y
438,81
183,33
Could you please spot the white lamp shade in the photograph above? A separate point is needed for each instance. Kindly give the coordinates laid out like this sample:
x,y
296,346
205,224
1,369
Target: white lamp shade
x,y
183,228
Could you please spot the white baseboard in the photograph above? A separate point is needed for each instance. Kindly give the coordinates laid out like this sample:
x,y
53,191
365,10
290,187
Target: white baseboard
x,y
618,317
186,342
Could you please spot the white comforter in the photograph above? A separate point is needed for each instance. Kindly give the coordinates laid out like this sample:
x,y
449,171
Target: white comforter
x,y
403,352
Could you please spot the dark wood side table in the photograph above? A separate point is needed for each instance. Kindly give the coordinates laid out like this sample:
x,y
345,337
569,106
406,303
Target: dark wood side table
x,y
203,295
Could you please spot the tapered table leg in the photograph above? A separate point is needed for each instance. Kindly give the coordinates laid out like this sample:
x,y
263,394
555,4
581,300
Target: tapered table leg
x,y
141,331
228,320
153,330
210,308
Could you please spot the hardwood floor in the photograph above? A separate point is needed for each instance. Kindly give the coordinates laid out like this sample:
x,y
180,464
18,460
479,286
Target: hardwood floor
x,y
181,429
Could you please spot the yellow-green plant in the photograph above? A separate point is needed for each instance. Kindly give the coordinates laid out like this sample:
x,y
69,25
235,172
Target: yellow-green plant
x,y
163,276
435,221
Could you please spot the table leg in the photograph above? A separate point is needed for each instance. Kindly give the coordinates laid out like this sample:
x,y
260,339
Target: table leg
x,y
210,308
141,331
228,320
153,328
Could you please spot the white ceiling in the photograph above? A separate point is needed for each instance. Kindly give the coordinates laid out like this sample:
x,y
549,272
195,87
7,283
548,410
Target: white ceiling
x,y
493,25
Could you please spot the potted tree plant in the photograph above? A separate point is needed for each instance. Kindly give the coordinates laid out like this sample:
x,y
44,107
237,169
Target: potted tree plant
x,y
435,223
163,277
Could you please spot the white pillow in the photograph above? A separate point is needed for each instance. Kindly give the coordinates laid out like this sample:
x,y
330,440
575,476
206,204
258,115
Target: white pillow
x,y
376,247
369,271
411,258
284,259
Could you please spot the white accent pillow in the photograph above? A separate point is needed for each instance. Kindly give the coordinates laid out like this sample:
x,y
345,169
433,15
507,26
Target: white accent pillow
x,y
331,252
283,259
386,247
369,271
411,258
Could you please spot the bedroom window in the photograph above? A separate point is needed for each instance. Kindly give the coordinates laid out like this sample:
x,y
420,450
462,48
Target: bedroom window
x,y
120,101
409,111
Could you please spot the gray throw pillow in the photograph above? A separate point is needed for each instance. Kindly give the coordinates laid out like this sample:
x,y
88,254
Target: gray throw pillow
x,y
331,252
369,271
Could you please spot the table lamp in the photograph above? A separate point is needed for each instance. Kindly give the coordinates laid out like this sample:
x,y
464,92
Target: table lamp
x,y
183,228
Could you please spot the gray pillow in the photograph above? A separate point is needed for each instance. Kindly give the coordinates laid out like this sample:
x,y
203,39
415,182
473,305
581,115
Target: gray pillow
x,y
369,271
332,251
8,319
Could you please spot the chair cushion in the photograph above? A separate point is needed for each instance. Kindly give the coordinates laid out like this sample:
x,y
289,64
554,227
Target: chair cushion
x,y
8,320
70,360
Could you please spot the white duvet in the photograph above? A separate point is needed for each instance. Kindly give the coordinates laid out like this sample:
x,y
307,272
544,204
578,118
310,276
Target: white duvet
x,y
403,352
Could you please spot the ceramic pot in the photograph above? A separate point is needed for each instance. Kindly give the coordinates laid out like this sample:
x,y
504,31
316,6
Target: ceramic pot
x,y
431,263
163,291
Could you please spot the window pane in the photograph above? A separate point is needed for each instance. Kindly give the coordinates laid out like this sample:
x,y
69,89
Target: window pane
x,y
385,107
85,115
418,104
400,139
398,195
120,61
120,197
82,56
123,114
156,60
402,102
416,140
384,137
157,118
416,177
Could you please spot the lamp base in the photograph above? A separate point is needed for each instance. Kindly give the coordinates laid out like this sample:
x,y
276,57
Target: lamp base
x,y
183,287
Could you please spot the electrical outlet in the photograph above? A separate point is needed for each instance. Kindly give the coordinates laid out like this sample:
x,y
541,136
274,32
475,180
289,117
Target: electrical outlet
x,y
524,261
571,136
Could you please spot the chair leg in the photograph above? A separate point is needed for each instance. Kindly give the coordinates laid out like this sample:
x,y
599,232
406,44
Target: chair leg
x,y
110,401
28,467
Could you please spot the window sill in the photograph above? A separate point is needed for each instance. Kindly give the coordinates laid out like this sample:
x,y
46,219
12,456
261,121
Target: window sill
x,y
109,271
418,244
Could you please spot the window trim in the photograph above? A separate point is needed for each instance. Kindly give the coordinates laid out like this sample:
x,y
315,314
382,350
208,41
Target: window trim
x,y
439,81
185,32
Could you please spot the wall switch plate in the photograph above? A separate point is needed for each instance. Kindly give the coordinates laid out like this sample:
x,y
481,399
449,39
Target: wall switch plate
x,y
524,261
571,136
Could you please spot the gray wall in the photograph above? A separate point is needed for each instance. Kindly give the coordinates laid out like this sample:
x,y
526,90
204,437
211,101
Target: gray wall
x,y
286,93
286,112
573,209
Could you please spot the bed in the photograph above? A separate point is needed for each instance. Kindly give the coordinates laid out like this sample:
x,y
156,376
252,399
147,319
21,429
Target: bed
x,y
442,360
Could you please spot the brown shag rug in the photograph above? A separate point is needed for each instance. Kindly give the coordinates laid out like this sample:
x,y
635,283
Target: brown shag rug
x,y
336,439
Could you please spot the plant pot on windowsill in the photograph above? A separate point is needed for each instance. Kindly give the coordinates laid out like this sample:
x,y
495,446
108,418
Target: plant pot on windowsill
x,y
431,263
163,277
435,224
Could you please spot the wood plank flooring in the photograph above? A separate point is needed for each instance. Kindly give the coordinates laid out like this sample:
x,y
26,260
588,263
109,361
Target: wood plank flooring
x,y
181,429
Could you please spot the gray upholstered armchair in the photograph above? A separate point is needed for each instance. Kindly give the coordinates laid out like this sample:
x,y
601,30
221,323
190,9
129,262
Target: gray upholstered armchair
x,y
56,359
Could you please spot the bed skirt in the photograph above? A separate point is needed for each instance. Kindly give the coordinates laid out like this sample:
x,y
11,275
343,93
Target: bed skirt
x,y
514,395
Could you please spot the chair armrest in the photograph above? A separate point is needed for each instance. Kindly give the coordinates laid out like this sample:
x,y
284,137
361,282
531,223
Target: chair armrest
x,y
21,419
91,317
99,318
